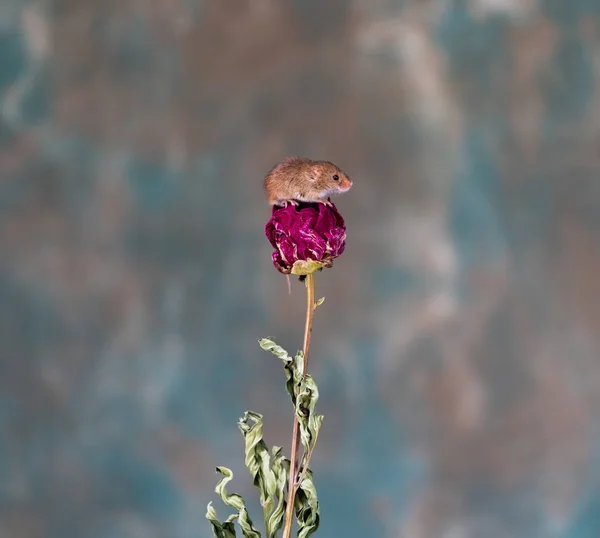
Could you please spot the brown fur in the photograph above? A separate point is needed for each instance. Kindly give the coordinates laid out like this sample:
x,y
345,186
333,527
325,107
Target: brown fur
x,y
298,179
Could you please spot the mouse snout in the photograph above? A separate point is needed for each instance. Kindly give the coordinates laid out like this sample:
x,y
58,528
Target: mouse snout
x,y
346,184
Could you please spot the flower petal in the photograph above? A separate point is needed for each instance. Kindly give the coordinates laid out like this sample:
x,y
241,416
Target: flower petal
x,y
309,232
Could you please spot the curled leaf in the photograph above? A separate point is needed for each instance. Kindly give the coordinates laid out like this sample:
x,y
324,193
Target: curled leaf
x,y
298,367
220,530
281,468
320,302
305,410
258,462
237,502
293,366
306,506
268,344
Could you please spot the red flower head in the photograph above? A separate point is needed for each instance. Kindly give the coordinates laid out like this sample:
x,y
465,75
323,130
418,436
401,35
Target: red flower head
x,y
306,237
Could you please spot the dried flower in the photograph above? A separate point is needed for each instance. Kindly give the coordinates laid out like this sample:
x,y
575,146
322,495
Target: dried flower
x,y
306,237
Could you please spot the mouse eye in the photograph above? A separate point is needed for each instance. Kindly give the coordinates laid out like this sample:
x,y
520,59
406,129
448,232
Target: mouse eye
x,y
335,177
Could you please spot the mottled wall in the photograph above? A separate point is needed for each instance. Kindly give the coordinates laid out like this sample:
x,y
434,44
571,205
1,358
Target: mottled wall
x,y
458,350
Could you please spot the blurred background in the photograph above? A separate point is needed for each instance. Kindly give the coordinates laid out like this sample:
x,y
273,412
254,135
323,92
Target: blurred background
x,y
458,349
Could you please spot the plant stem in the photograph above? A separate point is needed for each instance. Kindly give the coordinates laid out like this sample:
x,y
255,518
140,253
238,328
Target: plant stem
x,y
292,485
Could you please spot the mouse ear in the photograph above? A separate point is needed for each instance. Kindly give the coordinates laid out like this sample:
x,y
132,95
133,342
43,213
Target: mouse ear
x,y
314,173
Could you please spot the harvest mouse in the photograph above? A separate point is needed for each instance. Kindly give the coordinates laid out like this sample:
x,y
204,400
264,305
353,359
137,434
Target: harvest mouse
x,y
298,179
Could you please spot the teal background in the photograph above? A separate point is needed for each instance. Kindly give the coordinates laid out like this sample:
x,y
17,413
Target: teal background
x,y
458,349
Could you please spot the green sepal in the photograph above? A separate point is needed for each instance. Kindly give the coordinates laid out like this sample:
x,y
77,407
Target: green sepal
x,y
306,267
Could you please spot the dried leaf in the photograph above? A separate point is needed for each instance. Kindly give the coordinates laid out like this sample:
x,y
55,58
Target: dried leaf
x,y
293,367
306,507
237,502
258,462
305,410
220,530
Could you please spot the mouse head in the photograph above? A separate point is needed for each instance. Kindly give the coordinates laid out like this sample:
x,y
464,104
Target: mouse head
x,y
329,179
